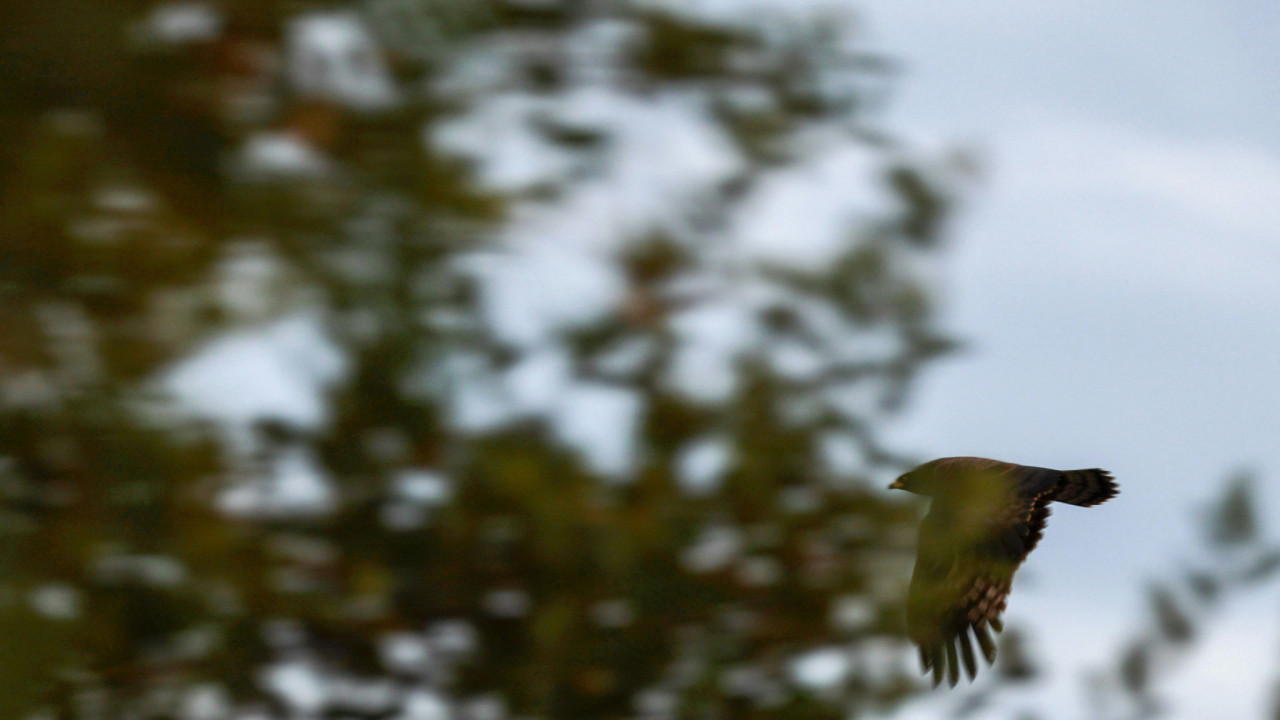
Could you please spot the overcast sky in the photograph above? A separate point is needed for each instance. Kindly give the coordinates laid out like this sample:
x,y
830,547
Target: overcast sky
x,y
1117,278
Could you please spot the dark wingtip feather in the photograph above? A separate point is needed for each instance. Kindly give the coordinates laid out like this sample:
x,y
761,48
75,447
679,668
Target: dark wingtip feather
x,y
966,654
936,654
953,665
996,624
985,642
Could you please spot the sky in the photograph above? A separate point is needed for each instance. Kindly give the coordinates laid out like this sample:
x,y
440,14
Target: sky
x,y
1115,280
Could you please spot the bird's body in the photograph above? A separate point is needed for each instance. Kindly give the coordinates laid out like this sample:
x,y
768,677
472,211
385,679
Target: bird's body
x,y
986,517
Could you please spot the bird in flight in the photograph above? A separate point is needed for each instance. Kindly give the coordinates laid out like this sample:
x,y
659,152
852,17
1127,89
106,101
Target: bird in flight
x,y
986,517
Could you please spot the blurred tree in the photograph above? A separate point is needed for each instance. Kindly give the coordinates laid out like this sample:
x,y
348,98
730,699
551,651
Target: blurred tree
x,y
429,359
1237,558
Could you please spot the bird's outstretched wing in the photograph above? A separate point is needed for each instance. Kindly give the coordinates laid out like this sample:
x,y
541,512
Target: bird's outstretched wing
x,y
969,549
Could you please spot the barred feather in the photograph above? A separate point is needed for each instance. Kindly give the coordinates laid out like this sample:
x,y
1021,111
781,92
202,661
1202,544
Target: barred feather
x,y
1086,487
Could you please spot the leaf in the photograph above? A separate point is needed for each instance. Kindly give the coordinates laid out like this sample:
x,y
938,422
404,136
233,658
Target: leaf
x,y
1171,620
1015,662
928,207
1262,568
1233,522
1203,585
1135,668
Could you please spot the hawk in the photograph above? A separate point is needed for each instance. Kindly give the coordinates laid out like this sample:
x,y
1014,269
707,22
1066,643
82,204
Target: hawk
x,y
986,517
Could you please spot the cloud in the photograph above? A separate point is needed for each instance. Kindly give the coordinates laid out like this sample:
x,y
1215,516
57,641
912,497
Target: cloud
x,y
1094,203
1230,183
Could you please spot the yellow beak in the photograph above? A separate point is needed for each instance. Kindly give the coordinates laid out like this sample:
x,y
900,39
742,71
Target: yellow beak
x,y
897,485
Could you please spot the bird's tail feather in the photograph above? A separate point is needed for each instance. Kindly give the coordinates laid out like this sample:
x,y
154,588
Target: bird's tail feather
x,y
1087,487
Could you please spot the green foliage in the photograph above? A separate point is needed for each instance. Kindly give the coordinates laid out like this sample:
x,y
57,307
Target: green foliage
x,y
1238,559
1233,521
1173,623
128,586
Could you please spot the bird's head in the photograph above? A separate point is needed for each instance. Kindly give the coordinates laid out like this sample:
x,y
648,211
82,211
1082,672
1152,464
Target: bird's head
x,y
921,481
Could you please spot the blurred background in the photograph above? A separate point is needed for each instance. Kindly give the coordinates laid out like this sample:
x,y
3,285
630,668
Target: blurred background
x,y
487,359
